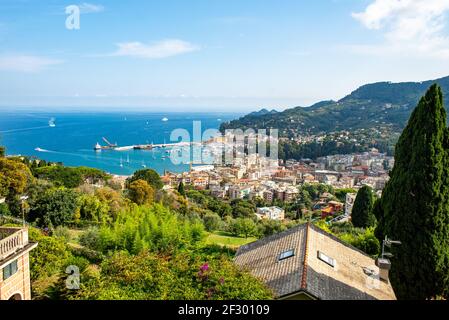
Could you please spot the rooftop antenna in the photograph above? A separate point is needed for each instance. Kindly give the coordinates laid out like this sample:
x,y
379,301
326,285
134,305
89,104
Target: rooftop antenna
x,y
383,262
388,243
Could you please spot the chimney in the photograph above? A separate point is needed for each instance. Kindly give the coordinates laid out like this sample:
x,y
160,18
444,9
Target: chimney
x,y
384,268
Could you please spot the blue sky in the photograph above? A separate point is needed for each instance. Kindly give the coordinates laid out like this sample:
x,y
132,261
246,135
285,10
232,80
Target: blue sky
x,y
214,55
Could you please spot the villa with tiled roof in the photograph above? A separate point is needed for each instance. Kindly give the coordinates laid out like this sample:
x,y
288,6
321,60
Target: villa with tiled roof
x,y
305,262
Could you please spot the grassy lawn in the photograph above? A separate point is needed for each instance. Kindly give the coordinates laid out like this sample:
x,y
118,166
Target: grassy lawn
x,y
227,239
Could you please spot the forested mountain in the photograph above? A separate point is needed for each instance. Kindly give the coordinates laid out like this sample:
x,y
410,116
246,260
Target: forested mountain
x,y
262,112
382,104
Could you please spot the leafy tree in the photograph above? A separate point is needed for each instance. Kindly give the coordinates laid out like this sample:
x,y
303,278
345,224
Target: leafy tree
x,y
93,209
68,177
61,176
56,207
181,189
93,175
270,227
113,199
415,203
340,194
148,175
243,209
14,178
212,222
207,201
198,197
2,151
36,189
316,190
223,209
140,192
243,226
304,200
362,215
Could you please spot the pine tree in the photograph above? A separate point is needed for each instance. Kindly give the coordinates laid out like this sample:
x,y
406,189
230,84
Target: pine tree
x,y
181,189
362,213
415,204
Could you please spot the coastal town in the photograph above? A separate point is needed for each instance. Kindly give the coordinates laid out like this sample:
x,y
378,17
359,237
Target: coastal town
x,y
270,180
224,156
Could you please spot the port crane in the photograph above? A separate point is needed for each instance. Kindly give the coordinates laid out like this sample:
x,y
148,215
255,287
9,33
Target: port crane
x,y
112,145
98,147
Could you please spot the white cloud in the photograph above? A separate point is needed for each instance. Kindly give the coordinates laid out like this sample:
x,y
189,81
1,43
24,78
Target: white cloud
x,y
416,25
25,63
157,50
90,8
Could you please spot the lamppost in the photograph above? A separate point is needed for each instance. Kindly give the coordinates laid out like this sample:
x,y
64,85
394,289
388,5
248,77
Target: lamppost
x,y
22,202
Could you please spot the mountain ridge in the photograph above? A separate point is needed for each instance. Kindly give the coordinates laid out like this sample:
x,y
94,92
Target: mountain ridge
x,y
371,105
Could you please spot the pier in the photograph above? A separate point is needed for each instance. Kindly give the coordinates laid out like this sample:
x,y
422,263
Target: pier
x,y
144,146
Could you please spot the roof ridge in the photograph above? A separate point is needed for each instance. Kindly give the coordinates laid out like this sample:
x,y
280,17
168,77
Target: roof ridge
x,y
306,252
251,245
337,239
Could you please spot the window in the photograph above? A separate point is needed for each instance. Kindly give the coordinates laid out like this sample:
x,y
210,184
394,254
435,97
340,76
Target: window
x,y
286,254
328,260
10,270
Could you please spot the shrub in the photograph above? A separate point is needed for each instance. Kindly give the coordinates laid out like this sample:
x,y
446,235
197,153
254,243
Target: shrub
x,y
156,228
90,238
62,233
49,256
148,276
212,222
4,210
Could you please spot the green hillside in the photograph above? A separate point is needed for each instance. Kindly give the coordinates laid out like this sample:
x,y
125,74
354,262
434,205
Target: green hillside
x,y
382,104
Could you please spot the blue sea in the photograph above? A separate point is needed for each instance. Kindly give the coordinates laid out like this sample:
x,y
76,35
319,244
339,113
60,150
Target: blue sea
x,y
72,139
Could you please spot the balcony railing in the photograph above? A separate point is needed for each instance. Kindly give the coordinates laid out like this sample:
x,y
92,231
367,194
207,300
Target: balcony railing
x,y
12,240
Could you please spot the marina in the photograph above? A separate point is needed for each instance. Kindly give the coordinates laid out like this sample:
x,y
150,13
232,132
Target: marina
x,y
115,147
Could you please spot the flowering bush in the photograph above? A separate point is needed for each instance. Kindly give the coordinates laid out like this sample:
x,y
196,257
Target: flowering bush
x,y
148,276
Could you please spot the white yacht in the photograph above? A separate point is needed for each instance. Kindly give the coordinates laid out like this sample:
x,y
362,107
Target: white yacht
x,y
51,123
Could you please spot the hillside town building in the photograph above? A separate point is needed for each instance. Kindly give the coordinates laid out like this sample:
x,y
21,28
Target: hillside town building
x,y
14,264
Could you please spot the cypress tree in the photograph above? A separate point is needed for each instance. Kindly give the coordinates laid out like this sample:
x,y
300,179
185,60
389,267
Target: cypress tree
x,y
181,189
362,215
415,203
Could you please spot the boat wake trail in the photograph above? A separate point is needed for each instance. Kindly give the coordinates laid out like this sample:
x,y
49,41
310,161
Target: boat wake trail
x,y
23,129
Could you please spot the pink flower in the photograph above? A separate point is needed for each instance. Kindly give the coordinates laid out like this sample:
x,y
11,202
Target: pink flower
x,y
205,267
